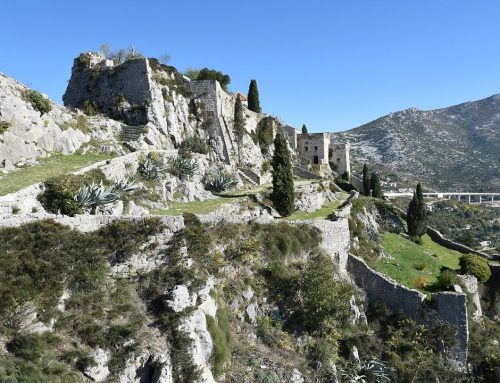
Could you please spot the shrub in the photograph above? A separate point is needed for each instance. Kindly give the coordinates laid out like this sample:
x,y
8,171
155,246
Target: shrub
x,y
210,74
220,331
122,238
27,346
193,144
4,125
60,191
325,303
420,282
82,123
182,167
475,265
447,279
90,108
38,101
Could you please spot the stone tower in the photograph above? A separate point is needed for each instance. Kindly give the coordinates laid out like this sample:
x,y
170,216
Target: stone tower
x,y
339,155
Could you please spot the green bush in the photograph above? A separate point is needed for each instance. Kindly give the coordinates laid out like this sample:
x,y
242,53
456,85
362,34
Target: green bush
x,y
122,238
4,125
27,346
447,279
475,265
193,144
38,101
59,193
220,331
325,300
210,74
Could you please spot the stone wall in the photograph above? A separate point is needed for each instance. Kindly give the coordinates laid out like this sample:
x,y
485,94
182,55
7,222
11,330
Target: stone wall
x,y
450,307
84,223
379,287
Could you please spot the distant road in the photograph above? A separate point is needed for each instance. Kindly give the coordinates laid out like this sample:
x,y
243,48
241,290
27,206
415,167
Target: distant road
x,y
469,197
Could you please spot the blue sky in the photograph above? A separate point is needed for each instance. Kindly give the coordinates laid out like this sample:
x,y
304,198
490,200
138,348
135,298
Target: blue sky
x,y
331,64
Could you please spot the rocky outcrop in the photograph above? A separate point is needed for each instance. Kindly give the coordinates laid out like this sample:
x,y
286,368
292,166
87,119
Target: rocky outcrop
x,y
168,105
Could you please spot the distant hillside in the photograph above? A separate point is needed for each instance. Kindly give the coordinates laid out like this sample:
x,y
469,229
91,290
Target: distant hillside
x,y
454,148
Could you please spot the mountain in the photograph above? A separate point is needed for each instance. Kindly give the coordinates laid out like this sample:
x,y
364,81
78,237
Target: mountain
x,y
449,149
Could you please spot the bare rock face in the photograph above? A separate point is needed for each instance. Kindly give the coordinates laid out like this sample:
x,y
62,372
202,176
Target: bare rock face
x,y
29,134
165,104
100,371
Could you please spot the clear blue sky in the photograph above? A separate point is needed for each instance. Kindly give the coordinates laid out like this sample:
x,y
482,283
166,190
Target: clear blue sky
x,y
331,64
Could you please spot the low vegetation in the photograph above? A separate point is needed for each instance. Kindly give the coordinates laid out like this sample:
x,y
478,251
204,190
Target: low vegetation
x,y
4,126
38,101
47,168
475,265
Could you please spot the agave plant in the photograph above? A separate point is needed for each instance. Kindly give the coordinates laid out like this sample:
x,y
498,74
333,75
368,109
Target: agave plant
x,y
96,197
182,167
370,371
125,186
150,169
220,181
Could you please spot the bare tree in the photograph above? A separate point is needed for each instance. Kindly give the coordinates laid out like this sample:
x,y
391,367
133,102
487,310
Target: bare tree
x,y
164,59
105,50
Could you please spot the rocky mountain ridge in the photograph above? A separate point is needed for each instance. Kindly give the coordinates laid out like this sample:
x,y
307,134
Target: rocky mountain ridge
x,y
449,149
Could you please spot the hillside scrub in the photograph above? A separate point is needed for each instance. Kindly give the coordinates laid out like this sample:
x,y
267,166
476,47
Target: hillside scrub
x,y
38,101
475,265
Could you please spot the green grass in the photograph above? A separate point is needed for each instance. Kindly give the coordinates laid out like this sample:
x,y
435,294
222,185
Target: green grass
x,y
410,262
320,213
55,165
195,207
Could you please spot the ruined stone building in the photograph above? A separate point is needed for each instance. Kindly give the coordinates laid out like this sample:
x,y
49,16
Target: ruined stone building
x,y
318,149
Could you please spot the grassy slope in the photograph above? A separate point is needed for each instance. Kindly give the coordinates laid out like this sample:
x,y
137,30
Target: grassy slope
x,y
196,207
407,258
320,213
49,167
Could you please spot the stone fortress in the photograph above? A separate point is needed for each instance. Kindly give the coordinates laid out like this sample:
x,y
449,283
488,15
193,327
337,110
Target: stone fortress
x,y
317,149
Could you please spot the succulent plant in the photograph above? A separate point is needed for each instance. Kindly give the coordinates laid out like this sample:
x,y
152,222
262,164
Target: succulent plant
x,y
150,169
220,181
182,167
96,197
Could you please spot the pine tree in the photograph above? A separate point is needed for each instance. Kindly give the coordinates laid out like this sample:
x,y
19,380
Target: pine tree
x,y
366,180
375,186
239,119
304,129
417,214
283,195
253,97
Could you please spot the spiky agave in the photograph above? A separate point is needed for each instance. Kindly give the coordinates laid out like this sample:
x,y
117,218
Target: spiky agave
x,y
182,167
220,181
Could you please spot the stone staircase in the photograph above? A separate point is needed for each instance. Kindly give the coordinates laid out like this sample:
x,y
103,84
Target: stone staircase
x,y
132,133
248,176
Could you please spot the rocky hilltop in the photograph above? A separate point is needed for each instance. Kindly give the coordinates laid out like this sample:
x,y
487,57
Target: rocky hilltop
x,y
449,149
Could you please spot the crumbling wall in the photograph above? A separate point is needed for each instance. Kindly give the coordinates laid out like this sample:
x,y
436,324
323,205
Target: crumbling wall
x,y
450,307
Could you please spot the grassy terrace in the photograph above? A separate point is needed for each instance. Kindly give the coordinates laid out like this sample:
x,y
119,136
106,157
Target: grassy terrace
x,y
324,212
415,266
196,207
48,167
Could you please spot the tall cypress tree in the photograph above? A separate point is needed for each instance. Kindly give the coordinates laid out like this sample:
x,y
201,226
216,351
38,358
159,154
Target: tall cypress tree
x,y
253,97
283,195
304,129
366,180
239,119
416,216
375,186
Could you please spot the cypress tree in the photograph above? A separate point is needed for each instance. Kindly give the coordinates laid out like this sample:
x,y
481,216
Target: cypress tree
x,y
366,180
253,97
239,119
417,214
375,186
283,195
304,129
